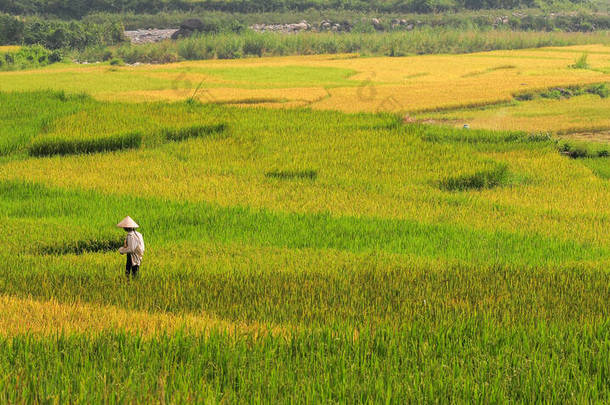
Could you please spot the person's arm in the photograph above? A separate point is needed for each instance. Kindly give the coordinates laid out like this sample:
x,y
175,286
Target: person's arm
x,y
131,245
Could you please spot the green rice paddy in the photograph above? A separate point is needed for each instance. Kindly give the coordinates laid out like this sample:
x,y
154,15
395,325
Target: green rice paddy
x,y
400,262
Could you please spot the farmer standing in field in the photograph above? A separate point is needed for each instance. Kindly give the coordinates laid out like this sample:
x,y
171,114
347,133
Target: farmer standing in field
x,y
133,247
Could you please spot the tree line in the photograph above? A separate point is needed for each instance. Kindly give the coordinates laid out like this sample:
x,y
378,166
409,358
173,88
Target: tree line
x,y
56,34
81,8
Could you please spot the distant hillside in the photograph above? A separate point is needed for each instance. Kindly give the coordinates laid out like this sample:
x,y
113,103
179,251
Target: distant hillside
x,y
80,8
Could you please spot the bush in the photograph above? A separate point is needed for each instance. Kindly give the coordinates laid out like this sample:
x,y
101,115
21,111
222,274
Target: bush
x,y
59,34
29,57
117,62
11,29
55,57
57,146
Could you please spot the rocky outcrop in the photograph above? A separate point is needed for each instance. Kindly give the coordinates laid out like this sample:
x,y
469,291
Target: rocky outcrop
x,y
188,28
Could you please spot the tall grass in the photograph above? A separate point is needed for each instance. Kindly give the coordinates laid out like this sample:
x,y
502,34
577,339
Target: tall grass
x,y
422,41
470,361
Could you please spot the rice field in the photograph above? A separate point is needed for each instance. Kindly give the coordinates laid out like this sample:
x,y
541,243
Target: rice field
x,y
581,114
333,253
337,82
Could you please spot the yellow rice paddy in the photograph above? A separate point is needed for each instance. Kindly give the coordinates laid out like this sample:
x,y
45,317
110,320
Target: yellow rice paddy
x,y
403,84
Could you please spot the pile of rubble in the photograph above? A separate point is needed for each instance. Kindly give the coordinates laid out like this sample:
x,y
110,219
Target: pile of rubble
x,y
402,23
284,28
188,28
328,25
324,25
500,21
149,36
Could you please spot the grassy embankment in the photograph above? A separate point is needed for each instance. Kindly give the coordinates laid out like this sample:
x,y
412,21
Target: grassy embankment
x,y
425,40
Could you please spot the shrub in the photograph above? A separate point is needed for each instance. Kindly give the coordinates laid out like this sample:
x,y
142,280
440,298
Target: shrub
x,y
29,57
117,62
55,57
50,146
54,34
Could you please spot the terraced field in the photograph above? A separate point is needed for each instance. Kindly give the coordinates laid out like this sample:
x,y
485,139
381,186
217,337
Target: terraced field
x,y
306,254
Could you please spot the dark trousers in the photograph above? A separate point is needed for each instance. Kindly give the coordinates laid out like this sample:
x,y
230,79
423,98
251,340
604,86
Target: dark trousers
x,y
130,269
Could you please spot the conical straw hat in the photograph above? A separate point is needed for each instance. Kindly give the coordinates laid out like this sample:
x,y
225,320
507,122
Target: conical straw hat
x,y
128,223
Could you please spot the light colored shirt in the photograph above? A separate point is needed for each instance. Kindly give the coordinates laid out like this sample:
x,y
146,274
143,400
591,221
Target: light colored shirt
x,y
135,247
